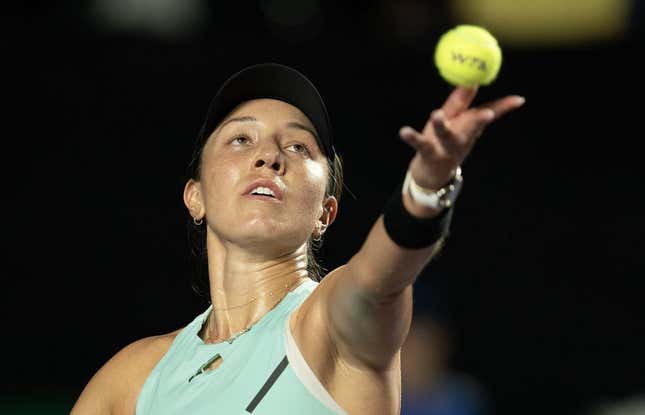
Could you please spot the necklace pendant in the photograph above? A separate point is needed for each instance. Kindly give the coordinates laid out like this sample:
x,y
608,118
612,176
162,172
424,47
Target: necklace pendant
x,y
232,339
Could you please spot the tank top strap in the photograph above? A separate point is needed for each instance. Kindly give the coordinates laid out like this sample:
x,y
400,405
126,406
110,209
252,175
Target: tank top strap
x,y
178,384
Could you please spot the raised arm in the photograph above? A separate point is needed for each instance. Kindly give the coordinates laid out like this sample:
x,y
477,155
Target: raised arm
x,y
368,302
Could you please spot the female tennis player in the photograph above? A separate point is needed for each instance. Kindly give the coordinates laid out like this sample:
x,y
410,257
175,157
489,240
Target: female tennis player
x,y
265,187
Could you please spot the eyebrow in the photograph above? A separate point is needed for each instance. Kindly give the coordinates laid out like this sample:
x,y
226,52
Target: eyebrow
x,y
292,124
247,118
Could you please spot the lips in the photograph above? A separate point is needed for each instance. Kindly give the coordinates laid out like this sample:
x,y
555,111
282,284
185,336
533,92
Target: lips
x,y
264,183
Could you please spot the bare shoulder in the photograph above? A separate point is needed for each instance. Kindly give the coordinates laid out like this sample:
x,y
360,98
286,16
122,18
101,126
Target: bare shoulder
x,y
115,386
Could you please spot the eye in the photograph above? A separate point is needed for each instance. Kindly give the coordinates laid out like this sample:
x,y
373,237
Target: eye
x,y
299,148
240,139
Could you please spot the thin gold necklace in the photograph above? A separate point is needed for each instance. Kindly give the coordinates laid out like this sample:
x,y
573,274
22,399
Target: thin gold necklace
x,y
233,337
270,293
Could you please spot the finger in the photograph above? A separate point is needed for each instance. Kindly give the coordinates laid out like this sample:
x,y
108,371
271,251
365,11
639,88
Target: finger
x,y
440,124
442,130
423,143
504,105
412,137
472,123
460,98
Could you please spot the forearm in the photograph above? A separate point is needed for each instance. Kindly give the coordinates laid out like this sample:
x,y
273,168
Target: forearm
x,y
384,268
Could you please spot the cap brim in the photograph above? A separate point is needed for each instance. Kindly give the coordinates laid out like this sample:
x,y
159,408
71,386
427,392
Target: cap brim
x,y
275,81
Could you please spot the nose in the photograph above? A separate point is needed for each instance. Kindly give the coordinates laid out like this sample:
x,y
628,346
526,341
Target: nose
x,y
271,159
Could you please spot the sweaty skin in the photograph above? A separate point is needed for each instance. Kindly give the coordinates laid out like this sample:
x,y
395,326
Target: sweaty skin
x,y
351,328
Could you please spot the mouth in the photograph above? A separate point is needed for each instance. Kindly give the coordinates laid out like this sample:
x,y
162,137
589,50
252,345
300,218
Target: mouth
x,y
264,190
264,198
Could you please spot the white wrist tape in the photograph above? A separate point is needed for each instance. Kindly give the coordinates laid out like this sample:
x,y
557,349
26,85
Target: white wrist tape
x,y
434,199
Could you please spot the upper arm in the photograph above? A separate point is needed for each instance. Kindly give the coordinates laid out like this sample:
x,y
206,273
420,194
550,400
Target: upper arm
x,y
96,396
368,302
105,387
115,387
365,330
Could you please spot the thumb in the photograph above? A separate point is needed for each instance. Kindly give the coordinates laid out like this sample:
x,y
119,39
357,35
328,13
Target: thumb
x,y
411,136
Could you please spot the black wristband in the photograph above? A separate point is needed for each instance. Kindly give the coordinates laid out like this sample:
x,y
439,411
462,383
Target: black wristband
x,y
411,232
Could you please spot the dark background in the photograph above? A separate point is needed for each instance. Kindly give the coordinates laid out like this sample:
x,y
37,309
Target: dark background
x,y
541,279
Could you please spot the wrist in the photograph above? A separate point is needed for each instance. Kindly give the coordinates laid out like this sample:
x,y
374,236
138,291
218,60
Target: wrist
x,y
412,231
432,200
417,209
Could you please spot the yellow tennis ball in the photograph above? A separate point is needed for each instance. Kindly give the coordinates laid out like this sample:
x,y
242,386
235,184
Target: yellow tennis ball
x,y
468,55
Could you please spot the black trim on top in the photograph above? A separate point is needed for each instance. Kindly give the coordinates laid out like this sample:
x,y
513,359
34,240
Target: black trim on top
x,y
267,385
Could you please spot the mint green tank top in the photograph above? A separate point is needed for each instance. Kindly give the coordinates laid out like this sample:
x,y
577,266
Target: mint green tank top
x,y
262,371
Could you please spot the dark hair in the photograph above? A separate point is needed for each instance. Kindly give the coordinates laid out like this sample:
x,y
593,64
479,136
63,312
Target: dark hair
x,y
197,233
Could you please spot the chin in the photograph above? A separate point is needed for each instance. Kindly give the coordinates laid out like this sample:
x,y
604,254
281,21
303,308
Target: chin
x,y
269,232
262,224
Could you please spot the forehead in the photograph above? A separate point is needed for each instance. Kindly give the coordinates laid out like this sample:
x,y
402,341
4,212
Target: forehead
x,y
270,110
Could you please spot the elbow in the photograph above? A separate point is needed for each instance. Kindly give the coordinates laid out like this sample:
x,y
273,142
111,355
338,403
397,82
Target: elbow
x,y
380,284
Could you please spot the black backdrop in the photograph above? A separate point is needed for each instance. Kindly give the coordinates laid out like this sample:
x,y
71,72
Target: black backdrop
x,y
541,278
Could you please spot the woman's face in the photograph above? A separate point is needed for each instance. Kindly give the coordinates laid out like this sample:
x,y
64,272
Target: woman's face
x,y
263,177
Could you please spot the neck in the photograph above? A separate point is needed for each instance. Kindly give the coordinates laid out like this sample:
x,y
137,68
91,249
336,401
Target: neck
x,y
245,286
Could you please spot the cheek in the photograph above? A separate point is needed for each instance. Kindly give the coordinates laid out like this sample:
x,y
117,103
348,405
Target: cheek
x,y
219,178
315,184
316,172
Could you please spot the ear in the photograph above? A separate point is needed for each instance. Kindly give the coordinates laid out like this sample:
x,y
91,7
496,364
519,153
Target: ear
x,y
193,199
329,211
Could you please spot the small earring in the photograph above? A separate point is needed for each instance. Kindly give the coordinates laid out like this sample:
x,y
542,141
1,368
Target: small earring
x,y
198,222
317,235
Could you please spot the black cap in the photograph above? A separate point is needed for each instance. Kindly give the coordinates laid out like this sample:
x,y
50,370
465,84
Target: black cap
x,y
275,81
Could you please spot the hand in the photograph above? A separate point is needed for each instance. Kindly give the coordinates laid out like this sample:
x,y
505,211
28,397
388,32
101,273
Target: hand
x,y
450,134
